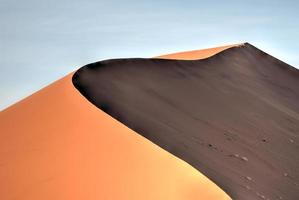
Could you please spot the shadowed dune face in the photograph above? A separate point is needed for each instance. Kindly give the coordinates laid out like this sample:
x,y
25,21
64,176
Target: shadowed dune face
x,y
56,145
233,116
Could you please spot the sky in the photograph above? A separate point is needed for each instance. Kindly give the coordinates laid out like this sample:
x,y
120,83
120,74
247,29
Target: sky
x,y
42,41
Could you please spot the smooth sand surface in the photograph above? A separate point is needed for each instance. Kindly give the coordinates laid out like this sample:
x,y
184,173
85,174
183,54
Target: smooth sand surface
x,y
56,145
233,116
197,54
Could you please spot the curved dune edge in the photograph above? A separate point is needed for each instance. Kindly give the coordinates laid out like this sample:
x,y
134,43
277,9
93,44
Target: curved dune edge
x,y
197,54
56,145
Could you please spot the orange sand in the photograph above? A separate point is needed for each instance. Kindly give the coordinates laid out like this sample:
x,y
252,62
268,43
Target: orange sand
x,y
197,54
56,145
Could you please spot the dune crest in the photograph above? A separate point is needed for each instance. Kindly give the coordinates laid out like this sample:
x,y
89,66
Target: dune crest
x,y
198,54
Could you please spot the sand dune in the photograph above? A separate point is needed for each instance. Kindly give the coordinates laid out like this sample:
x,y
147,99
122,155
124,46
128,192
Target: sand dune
x,y
56,145
233,116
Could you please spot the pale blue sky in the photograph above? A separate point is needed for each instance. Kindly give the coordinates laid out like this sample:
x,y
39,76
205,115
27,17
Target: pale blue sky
x,y
41,41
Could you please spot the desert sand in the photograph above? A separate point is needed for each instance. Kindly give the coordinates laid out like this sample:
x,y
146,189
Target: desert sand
x,y
233,116
197,54
55,144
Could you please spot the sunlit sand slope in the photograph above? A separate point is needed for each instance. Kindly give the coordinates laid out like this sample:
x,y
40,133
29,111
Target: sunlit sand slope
x,y
197,54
